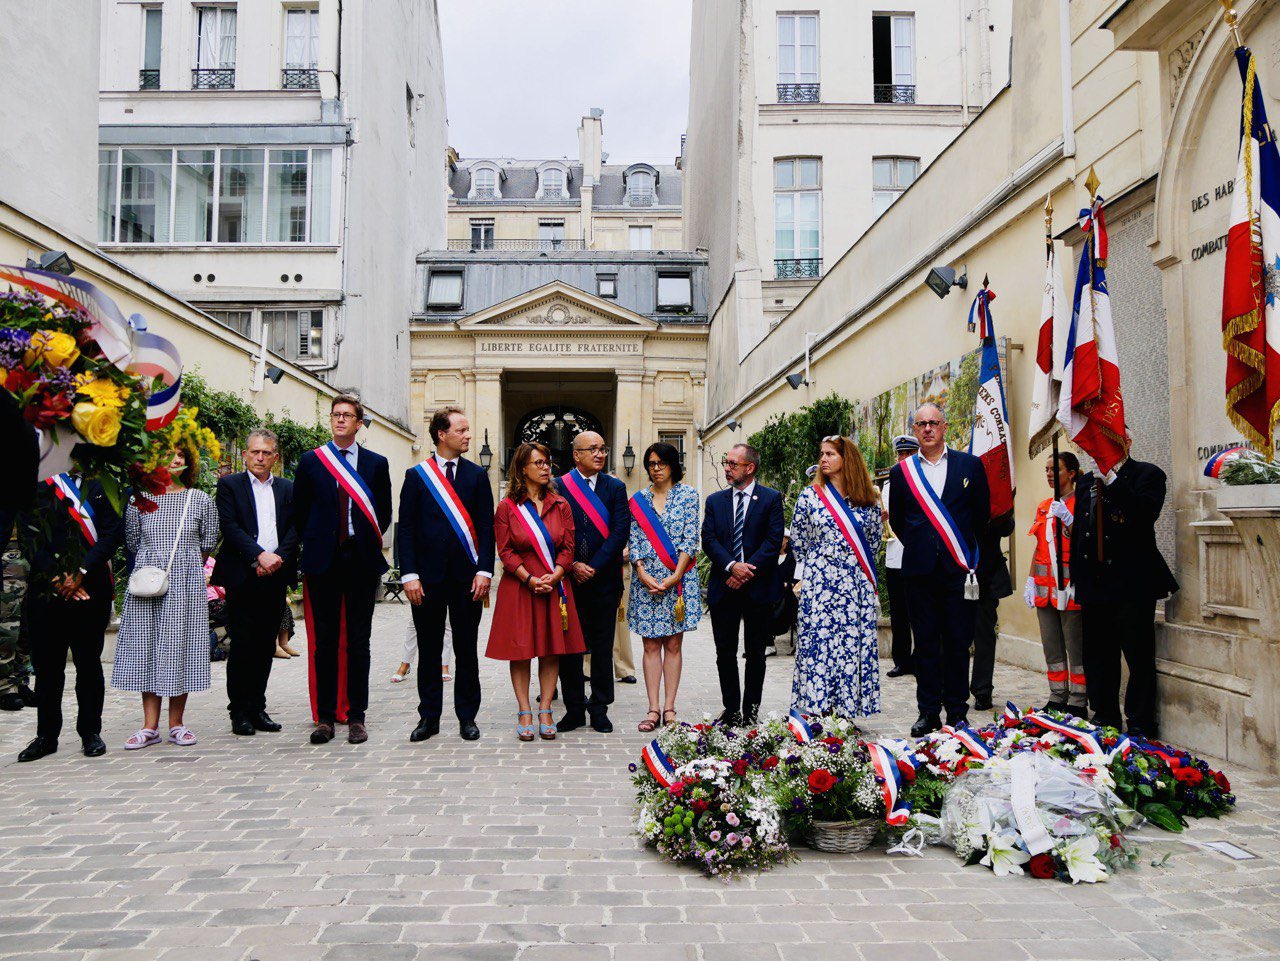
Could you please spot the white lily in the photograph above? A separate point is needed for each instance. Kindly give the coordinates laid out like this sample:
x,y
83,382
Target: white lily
x,y
1082,862
1003,854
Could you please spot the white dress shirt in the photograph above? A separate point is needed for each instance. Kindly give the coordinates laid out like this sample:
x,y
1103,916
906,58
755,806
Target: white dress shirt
x,y
748,493
935,473
353,455
264,505
442,462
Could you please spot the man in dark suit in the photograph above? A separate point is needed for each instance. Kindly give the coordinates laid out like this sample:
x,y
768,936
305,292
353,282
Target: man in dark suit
x,y
1119,574
942,613
447,566
742,535
994,583
68,605
341,562
595,498
257,565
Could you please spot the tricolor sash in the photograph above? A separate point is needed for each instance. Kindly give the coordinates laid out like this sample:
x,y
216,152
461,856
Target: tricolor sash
x,y
527,513
580,492
963,554
450,505
889,780
659,765
654,531
854,536
357,489
77,505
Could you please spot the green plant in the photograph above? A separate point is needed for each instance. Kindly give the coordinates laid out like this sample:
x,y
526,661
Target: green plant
x,y
789,443
1245,471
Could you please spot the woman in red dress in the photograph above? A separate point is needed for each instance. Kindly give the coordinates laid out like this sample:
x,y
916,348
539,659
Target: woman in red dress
x,y
535,615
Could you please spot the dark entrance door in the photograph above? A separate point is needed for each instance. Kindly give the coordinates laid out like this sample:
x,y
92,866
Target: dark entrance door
x,y
556,427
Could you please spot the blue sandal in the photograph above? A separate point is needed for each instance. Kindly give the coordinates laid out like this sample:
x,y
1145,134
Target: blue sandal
x,y
546,731
524,731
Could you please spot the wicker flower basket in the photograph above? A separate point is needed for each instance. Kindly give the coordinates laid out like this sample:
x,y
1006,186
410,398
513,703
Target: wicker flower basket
x,y
844,837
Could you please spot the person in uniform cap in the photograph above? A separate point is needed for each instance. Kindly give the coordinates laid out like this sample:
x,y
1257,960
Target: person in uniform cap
x,y
904,445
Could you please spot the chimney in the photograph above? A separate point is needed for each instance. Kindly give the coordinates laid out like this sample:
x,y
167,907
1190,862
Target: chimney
x,y
590,135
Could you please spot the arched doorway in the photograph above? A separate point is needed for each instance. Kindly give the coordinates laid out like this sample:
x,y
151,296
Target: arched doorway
x,y
555,426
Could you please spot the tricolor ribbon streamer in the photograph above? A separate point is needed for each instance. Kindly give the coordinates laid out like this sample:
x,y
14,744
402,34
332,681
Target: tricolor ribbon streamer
x,y
659,765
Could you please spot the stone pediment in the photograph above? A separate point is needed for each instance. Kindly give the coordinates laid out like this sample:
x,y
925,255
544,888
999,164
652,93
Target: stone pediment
x,y
558,306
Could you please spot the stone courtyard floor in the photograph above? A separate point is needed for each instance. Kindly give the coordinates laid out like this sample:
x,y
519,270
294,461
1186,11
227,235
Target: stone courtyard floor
x,y
269,848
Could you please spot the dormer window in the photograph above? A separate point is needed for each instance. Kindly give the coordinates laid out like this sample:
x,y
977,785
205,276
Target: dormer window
x,y
486,182
553,182
640,183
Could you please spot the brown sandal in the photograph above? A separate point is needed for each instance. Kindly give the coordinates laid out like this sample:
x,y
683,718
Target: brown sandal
x,y
672,712
647,726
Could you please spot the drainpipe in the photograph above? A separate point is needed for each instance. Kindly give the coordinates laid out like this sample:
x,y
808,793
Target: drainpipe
x,y
1068,101
964,65
984,50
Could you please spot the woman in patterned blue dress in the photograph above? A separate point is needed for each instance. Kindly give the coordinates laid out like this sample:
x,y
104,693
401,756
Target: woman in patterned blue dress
x,y
651,606
837,658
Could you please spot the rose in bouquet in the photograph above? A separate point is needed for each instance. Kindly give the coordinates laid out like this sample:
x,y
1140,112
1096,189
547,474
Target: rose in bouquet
x,y
828,779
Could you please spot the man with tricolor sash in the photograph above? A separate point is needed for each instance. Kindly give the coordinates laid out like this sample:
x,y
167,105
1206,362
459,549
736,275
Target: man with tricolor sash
x,y
940,509
69,536
601,524
342,507
445,541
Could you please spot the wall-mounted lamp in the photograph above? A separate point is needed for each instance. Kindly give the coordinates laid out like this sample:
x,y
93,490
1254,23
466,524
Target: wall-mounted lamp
x,y
629,456
276,374
733,425
366,420
796,381
942,279
486,455
54,261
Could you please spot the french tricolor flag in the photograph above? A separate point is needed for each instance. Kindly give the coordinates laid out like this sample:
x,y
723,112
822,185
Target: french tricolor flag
x,y
991,440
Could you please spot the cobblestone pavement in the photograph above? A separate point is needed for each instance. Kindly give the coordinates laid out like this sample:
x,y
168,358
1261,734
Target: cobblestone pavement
x,y
269,848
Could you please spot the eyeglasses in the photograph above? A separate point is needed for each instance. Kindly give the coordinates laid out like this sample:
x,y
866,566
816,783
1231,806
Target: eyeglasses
x,y
725,462
591,450
833,438
657,465
927,424
538,463
342,415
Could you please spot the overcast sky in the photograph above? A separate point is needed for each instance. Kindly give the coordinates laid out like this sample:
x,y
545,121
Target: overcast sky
x,y
520,74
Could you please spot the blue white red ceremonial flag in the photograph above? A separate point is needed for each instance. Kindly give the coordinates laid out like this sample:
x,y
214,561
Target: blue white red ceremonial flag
x,y
991,440
1091,408
659,765
799,727
1250,315
1055,317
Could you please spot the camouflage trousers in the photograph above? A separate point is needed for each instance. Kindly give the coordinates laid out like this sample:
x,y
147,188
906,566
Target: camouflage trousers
x,y
15,650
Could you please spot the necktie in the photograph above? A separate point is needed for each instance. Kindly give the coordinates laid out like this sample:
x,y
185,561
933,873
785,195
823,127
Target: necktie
x,y
739,513
448,472
344,508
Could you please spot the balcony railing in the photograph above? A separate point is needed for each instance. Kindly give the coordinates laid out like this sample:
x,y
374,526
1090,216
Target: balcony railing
x,y
149,79
798,93
215,78
895,93
517,245
798,269
300,78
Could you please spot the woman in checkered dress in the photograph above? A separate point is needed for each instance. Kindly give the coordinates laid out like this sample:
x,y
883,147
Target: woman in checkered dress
x,y
163,646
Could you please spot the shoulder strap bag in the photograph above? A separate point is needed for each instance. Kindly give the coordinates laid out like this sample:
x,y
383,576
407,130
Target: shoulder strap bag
x,y
153,581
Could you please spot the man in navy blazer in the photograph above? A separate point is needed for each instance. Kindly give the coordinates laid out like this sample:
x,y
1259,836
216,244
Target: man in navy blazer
x,y
341,564
742,537
440,575
257,565
597,579
942,619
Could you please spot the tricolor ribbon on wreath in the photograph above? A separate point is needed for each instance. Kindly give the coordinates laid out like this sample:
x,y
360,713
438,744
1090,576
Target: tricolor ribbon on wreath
x,y
64,486
889,779
1087,735
659,765
527,513
848,525
969,738
799,727
654,531
963,554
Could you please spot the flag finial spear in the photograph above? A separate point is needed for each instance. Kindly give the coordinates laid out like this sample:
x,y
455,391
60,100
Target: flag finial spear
x,y
1048,217
1092,184
1229,18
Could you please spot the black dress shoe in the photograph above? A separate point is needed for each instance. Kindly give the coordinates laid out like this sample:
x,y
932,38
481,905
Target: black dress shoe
x,y
323,733
896,671
263,722
242,726
924,724
629,679
28,696
38,748
425,729
571,722
11,701
93,746
729,718
602,725
982,704
357,733
469,731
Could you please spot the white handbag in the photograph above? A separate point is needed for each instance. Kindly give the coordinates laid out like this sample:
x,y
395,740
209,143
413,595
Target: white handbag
x,y
153,581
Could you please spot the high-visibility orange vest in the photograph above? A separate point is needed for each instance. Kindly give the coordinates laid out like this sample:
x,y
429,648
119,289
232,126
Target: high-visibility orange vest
x,y
1043,562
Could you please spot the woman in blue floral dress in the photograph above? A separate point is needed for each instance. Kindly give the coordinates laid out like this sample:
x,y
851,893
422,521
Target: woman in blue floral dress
x,y
837,658
654,599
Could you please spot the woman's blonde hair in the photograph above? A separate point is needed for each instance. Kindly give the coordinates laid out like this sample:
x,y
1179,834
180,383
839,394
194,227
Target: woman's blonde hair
x,y
859,489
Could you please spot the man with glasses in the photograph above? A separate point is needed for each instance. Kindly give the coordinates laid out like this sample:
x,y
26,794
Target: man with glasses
x,y
601,526
940,507
742,535
341,509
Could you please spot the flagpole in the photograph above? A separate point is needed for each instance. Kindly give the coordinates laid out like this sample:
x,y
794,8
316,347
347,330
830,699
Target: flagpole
x,y
1057,492
1229,17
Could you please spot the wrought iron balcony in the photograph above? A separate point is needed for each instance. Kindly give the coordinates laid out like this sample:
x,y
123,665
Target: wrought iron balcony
x,y
895,93
215,78
527,244
148,79
798,93
798,269
300,78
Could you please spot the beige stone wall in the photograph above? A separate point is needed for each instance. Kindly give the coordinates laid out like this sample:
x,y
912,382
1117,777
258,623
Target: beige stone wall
x,y
609,227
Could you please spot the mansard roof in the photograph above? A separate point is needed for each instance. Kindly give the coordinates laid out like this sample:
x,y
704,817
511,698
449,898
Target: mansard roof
x,y
520,182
